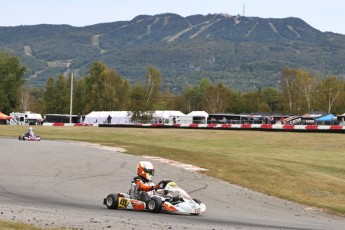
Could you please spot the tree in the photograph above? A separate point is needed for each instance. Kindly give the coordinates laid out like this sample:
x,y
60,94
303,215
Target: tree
x,y
329,91
288,87
49,96
189,98
306,86
11,81
217,99
192,97
272,97
81,97
238,104
62,96
298,89
255,102
137,103
24,100
153,95
171,101
56,96
104,89
36,100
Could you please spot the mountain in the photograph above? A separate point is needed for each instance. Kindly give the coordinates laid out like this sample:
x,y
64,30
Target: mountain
x,y
242,52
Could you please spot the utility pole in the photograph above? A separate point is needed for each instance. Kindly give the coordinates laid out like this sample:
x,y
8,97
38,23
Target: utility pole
x,y
71,101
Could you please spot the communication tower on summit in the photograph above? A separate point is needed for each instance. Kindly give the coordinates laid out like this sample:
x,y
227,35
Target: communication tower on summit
x,y
244,10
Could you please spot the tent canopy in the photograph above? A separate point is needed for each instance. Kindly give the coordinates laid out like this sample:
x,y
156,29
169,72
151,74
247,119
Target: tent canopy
x,y
329,117
165,114
198,114
314,114
198,117
101,117
4,116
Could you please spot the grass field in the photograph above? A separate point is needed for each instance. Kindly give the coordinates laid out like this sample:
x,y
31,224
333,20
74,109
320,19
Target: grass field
x,y
308,168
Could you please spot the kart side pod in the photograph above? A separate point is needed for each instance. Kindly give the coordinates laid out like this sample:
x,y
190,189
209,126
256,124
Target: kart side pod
x,y
120,201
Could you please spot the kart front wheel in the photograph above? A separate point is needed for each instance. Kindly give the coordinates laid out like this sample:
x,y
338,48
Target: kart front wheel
x,y
155,205
112,201
197,201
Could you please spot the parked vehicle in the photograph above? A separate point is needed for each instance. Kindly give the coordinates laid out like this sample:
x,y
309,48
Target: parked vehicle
x,y
25,118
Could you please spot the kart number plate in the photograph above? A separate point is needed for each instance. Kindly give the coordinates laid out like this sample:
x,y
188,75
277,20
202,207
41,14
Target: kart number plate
x,y
123,202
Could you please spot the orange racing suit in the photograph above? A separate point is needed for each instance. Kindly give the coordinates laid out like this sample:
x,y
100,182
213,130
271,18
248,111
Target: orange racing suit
x,y
144,186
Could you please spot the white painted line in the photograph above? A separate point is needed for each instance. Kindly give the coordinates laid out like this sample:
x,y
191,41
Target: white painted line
x,y
177,164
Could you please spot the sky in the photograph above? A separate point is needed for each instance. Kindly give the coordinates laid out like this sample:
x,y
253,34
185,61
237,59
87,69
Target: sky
x,y
324,15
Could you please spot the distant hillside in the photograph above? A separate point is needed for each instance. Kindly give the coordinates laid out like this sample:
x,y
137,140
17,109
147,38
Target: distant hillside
x,y
242,52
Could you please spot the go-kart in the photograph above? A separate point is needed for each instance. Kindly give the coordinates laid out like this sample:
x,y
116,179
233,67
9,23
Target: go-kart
x,y
29,137
168,198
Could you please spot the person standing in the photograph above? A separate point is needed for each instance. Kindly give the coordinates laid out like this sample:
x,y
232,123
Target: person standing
x,y
109,119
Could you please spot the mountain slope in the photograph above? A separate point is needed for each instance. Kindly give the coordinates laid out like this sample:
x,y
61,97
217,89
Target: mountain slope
x,y
242,52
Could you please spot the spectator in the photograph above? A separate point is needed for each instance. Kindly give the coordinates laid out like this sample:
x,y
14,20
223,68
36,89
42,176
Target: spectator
x,y
282,120
79,118
109,119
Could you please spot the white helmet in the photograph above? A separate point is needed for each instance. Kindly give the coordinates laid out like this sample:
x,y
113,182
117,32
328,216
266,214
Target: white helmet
x,y
146,170
30,129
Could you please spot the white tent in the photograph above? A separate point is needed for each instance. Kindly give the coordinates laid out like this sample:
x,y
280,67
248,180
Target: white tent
x,y
101,117
341,119
166,116
199,117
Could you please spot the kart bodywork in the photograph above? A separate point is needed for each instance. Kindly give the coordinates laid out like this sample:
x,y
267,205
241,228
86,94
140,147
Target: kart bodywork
x,y
29,137
168,198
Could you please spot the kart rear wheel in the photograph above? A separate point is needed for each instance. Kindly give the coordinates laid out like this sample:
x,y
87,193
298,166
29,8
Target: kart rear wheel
x,y
112,201
154,205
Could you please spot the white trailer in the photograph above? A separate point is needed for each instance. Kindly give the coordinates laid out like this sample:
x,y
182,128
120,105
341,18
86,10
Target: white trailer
x,y
25,118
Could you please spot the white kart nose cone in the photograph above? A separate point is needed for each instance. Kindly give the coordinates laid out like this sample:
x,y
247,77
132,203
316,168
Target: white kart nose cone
x,y
202,208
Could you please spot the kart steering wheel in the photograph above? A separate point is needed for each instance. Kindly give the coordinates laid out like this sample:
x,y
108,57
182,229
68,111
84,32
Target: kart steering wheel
x,y
163,183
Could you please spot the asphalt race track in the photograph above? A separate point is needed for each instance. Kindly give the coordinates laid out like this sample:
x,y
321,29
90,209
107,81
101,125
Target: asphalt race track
x,y
56,183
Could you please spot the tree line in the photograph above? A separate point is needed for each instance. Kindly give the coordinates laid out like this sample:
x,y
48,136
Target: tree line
x,y
103,89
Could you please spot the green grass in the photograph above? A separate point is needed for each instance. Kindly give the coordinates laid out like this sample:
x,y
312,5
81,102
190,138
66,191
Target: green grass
x,y
308,168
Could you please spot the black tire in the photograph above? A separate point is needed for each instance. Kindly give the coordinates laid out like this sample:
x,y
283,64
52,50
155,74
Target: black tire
x,y
112,201
154,205
20,138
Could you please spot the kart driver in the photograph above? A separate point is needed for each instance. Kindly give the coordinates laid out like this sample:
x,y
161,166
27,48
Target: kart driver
x,y
143,182
30,132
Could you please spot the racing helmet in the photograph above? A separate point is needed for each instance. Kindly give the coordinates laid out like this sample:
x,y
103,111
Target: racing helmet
x,y
31,129
146,170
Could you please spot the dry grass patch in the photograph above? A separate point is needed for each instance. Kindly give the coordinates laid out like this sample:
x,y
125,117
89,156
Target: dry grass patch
x,y
12,225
